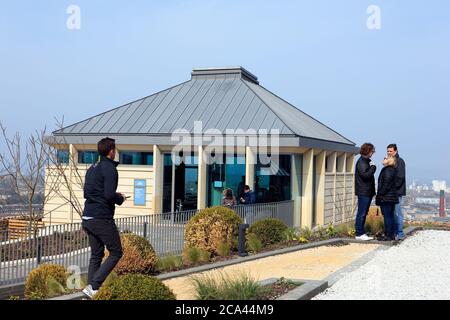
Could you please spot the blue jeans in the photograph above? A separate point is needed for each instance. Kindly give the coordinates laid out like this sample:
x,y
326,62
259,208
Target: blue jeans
x,y
363,209
399,218
388,210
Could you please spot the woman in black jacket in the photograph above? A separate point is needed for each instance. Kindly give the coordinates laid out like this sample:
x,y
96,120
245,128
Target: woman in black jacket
x,y
387,196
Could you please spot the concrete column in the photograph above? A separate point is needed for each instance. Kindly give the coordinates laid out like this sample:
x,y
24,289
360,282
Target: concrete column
x,y
296,183
158,171
320,188
250,162
307,189
202,178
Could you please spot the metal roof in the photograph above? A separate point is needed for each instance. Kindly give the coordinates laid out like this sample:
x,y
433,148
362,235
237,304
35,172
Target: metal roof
x,y
221,98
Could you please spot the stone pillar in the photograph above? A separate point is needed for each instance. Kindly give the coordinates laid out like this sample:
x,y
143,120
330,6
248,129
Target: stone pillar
x,y
157,180
320,188
202,178
307,189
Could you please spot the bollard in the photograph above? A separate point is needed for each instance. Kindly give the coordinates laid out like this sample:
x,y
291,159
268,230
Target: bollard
x,y
241,240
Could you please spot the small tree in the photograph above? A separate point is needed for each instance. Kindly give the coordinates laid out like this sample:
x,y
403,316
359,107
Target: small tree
x,y
24,165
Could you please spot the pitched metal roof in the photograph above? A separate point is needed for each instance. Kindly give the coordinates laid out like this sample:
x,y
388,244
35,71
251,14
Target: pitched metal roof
x,y
221,98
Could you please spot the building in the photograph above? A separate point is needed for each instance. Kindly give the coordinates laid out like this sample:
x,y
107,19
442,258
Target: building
x,y
174,150
439,185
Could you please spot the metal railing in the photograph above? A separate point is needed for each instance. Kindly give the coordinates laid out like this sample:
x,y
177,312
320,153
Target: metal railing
x,y
68,244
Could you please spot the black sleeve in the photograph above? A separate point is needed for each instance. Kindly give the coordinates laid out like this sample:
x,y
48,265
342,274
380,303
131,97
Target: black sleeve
x,y
111,179
387,179
364,171
400,172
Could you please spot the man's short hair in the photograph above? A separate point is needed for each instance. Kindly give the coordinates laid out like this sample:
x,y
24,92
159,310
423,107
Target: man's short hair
x,y
366,149
246,187
393,146
105,146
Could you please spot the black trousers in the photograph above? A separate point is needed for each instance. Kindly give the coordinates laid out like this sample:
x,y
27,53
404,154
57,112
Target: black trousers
x,y
102,233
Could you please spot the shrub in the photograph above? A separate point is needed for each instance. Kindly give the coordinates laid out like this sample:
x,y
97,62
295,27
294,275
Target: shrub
x,y
225,287
134,287
306,233
291,234
269,231
253,243
374,221
211,226
194,255
223,249
46,281
169,263
331,231
138,255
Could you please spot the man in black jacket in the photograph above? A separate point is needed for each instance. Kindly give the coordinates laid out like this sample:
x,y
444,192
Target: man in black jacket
x,y
392,151
98,215
364,188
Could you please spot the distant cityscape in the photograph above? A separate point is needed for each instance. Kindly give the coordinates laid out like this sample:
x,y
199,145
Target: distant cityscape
x,y
423,201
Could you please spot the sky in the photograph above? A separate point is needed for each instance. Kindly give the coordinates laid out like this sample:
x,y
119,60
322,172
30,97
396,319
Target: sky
x,y
383,85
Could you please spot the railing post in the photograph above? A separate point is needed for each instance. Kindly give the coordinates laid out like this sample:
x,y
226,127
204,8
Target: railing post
x,y
39,251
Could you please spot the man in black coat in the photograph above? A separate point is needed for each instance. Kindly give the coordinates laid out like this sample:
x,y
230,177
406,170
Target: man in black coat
x,y
392,150
98,216
364,188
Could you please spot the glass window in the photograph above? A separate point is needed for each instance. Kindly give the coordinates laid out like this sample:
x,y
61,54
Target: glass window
x,y
88,157
62,156
229,173
273,181
136,158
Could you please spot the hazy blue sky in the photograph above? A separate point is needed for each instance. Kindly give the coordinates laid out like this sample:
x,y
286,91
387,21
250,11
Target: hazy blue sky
x,y
387,85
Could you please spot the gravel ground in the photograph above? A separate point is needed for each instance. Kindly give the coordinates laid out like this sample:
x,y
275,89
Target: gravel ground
x,y
416,269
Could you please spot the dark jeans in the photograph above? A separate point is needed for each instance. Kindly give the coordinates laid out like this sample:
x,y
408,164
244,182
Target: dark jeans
x,y
388,211
363,209
102,233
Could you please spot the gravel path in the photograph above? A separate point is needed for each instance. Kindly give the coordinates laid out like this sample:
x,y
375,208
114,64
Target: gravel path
x,y
417,269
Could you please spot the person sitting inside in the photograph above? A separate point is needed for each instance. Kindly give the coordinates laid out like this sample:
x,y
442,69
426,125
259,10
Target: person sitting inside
x,y
228,199
249,196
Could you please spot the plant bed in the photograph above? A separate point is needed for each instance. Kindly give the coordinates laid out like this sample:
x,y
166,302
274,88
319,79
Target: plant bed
x,y
277,289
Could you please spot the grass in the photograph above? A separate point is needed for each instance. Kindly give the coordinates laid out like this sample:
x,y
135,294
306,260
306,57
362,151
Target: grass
x,y
253,243
169,263
225,287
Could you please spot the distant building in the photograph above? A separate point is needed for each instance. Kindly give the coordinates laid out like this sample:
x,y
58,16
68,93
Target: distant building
x,y
431,201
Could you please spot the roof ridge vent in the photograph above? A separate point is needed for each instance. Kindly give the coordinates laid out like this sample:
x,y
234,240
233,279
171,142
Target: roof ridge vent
x,y
225,72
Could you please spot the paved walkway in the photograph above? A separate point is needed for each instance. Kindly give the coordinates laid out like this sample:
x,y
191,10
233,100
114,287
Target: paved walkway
x,y
312,264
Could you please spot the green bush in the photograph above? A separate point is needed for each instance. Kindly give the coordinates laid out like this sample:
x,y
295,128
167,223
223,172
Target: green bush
x,y
223,249
194,255
47,280
291,234
224,287
138,255
211,226
253,243
269,231
169,263
134,287
306,233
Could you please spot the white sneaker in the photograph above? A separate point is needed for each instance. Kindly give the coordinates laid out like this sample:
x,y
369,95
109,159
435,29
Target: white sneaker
x,y
364,237
88,291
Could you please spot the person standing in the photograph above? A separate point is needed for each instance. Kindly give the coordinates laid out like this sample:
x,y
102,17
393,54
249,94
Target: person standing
x,y
249,196
392,151
98,215
364,188
387,196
